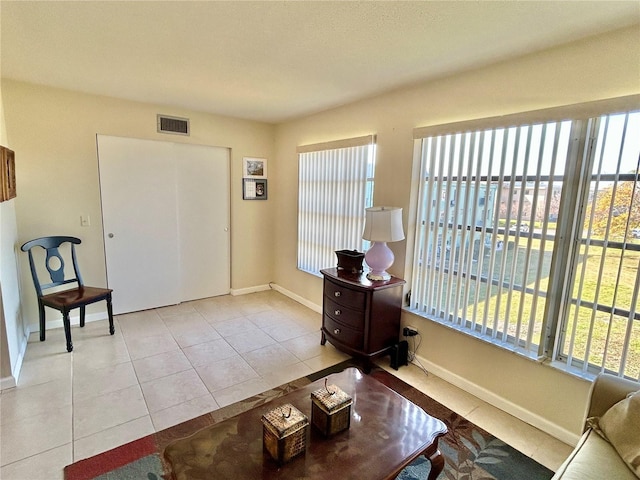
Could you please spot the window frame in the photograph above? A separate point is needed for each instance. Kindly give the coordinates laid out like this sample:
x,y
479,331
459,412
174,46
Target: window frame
x,y
561,275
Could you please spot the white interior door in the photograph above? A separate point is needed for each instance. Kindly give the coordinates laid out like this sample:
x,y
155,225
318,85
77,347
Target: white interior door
x,y
162,219
203,221
139,216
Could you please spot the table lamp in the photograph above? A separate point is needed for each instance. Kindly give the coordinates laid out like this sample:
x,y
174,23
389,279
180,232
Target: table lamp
x,y
382,225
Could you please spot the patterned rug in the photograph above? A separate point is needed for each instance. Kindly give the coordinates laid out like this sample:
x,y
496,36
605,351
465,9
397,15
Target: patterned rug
x,y
470,452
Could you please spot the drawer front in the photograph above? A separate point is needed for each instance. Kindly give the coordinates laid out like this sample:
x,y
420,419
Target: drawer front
x,y
345,315
343,334
344,296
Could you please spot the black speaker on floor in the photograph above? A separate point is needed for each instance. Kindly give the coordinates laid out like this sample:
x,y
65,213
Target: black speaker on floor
x,y
399,354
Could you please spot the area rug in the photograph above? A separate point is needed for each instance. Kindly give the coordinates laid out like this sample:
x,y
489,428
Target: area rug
x,y
470,452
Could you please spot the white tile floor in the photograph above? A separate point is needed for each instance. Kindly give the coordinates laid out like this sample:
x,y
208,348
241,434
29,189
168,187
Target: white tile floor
x,y
167,365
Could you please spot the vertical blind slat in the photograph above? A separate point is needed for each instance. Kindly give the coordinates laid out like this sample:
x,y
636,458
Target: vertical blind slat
x,y
519,222
432,238
622,252
470,206
437,246
457,242
446,241
594,308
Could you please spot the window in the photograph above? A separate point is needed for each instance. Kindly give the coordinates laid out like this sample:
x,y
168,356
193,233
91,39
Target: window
x,y
490,256
335,186
602,326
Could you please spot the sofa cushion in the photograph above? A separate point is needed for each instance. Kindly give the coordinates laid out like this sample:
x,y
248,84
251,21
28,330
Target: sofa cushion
x,y
593,459
620,425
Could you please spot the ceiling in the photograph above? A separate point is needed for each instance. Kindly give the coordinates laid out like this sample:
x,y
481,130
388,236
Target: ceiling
x,y
277,60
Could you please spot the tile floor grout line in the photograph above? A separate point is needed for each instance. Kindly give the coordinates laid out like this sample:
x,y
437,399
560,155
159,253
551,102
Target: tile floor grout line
x,y
73,411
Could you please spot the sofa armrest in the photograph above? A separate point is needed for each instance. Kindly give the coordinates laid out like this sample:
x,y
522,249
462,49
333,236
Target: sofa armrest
x,y
606,391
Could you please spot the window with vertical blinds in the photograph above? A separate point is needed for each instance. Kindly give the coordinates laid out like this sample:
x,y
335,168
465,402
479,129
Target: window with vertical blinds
x,y
335,185
602,324
528,236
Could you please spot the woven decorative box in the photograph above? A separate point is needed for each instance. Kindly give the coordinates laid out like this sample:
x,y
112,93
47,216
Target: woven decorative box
x,y
330,410
284,432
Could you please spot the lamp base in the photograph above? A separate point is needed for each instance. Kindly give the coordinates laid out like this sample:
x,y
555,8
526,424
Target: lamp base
x,y
379,257
378,277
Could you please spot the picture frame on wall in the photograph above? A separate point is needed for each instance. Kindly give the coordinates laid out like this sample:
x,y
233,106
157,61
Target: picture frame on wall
x,y
7,174
254,167
254,189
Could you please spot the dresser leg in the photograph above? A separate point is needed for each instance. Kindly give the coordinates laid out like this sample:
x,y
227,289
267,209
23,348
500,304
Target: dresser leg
x,y
323,339
367,366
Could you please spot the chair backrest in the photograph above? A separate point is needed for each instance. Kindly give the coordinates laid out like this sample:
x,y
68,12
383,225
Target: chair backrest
x,y
51,245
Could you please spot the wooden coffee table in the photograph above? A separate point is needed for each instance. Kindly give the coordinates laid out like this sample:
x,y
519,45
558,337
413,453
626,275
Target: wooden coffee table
x,y
387,433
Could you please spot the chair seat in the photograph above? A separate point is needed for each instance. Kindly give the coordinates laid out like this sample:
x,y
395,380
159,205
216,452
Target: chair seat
x,y
75,297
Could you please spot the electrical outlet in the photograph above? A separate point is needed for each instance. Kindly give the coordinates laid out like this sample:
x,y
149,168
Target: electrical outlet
x,y
409,331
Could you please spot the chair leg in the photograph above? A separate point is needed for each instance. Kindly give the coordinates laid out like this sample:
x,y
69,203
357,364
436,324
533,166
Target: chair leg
x,y
67,329
83,309
110,313
41,315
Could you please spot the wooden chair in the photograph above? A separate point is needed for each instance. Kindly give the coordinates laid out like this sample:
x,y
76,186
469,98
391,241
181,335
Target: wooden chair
x,y
64,300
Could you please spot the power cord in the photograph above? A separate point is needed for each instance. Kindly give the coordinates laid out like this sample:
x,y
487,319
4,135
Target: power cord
x,y
411,355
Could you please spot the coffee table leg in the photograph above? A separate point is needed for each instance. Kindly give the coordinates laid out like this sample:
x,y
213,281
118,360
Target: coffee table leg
x,y
436,459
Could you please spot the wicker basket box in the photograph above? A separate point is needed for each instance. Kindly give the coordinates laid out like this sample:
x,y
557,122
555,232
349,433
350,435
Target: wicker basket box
x,y
330,410
284,432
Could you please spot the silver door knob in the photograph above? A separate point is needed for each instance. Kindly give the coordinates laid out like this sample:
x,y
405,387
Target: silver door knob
x,y
337,312
337,294
336,331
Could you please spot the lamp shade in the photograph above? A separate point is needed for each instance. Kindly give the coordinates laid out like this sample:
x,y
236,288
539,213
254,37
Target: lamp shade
x,y
383,224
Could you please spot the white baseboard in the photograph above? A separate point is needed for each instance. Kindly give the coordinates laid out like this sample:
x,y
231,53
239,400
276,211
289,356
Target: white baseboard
x,y
297,298
278,288
75,320
7,382
12,380
497,401
245,291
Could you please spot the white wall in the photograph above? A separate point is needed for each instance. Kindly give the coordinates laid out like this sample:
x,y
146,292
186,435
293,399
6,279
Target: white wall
x,y
12,336
53,133
14,340
598,68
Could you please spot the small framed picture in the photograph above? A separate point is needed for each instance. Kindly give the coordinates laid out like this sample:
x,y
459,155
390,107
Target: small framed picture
x,y
254,167
254,189
7,174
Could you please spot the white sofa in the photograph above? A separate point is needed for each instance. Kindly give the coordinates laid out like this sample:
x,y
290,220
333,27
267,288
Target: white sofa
x,y
594,457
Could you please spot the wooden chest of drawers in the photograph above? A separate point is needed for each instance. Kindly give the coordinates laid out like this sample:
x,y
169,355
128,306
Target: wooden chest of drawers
x,y
360,317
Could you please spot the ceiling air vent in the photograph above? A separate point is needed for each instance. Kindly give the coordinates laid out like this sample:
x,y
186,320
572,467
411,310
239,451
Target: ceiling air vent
x,y
175,125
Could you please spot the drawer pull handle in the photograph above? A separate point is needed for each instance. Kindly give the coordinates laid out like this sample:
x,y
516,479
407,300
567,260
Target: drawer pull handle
x,y
337,312
336,294
336,331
